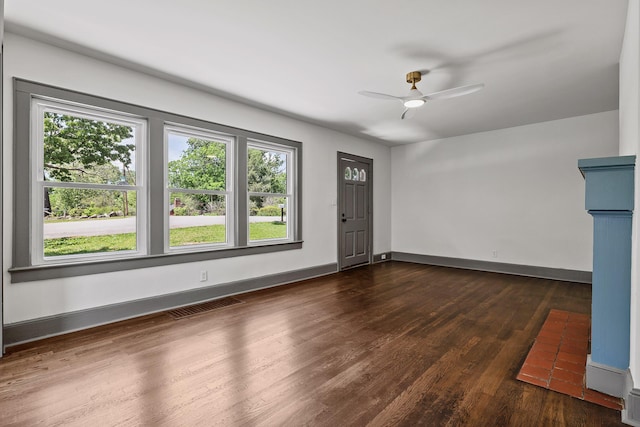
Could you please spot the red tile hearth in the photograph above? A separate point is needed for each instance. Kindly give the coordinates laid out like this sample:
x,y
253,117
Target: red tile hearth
x,y
558,357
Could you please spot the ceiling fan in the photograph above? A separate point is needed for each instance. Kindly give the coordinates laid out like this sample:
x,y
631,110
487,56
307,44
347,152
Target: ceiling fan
x,y
416,99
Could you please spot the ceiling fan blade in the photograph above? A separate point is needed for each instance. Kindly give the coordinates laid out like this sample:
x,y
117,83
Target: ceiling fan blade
x,y
456,91
379,95
408,113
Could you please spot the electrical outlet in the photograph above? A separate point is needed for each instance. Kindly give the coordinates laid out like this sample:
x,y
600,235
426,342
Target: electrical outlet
x,y
203,276
383,256
495,253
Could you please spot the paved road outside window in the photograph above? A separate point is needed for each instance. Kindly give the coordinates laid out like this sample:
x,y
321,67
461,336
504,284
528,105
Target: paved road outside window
x,y
99,227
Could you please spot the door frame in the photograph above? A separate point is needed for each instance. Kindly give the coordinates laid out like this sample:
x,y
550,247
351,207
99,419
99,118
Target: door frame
x,y
1,176
340,176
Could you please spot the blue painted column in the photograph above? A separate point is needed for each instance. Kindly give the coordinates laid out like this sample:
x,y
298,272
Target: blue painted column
x,y
611,289
609,199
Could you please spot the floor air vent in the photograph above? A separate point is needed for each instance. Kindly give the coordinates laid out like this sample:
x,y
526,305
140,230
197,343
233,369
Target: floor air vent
x,y
192,310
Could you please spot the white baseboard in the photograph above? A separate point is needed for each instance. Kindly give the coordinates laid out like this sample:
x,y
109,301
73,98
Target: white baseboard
x,y
606,379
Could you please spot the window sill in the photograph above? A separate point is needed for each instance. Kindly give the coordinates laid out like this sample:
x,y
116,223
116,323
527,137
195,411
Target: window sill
x,y
57,271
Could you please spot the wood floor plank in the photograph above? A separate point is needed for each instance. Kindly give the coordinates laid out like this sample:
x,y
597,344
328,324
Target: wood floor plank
x,y
388,344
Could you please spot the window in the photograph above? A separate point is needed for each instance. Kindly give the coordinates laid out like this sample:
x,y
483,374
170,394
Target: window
x,y
269,183
102,185
86,168
198,188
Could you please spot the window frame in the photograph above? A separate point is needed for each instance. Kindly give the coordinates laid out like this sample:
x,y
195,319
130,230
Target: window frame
x,y
229,141
289,195
26,268
40,106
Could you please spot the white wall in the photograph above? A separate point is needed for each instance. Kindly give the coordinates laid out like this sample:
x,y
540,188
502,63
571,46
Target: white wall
x,y
630,145
516,191
28,59
629,83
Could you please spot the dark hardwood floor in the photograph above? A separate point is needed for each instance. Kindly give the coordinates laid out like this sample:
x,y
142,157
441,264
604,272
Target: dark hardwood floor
x,y
389,344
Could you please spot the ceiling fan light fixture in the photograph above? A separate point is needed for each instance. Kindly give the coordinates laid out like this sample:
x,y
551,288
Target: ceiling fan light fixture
x,y
414,103
415,98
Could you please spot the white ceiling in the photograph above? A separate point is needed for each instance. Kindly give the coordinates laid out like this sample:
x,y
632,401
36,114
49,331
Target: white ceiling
x,y
540,59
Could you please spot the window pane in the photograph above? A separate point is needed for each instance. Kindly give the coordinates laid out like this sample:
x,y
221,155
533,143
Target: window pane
x,y
266,171
197,219
77,149
196,164
89,221
267,218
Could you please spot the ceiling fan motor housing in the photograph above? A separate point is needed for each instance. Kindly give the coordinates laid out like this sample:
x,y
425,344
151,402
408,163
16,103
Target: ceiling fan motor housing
x,y
414,77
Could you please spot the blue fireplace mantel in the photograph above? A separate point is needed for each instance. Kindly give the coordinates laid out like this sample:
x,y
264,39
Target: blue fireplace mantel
x,y
609,200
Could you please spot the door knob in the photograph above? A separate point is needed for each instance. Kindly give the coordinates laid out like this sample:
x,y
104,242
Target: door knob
x,y
343,218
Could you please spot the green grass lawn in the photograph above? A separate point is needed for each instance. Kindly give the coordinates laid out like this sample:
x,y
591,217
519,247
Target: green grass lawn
x,y
178,237
197,235
267,230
